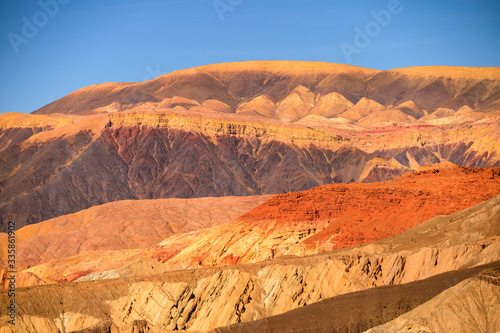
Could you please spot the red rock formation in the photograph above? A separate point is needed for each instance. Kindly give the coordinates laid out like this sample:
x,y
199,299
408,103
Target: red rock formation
x,y
341,215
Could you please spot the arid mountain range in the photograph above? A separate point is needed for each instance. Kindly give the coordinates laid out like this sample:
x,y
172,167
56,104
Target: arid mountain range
x,y
243,129
265,196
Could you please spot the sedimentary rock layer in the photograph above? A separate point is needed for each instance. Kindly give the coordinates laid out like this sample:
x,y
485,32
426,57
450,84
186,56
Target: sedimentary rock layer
x,y
362,310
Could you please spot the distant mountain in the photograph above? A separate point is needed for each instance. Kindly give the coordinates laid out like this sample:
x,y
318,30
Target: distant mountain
x,y
246,128
298,86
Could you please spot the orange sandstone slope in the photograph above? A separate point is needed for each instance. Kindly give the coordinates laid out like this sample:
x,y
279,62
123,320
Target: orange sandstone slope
x,y
121,225
341,215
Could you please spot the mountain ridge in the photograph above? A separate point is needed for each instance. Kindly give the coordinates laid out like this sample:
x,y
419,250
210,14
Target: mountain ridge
x,y
231,82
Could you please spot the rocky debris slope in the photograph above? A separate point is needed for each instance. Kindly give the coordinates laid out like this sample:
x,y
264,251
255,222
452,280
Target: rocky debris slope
x,y
340,215
204,299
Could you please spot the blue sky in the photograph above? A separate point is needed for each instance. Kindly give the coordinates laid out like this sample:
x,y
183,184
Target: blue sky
x,y
79,43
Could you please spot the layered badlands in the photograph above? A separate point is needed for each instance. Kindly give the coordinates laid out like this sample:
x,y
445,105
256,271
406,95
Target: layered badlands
x,y
188,233
464,300
337,216
243,129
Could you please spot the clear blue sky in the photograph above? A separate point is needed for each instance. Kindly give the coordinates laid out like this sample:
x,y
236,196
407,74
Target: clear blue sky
x,y
85,42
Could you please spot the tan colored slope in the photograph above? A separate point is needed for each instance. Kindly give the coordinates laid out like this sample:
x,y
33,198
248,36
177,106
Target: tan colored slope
x,y
11,119
411,108
219,81
80,99
261,105
54,125
236,83
201,300
368,308
443,140
296,105
385,118
123,225
362,109
471,306
241,125
331,105
286,67
329,124
452,72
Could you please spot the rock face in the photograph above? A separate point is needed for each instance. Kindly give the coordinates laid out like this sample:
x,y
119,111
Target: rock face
x,y
302,223
243,129
338,216
201,300
132,161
